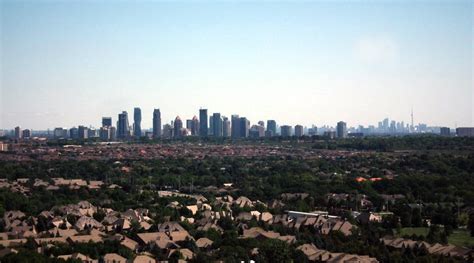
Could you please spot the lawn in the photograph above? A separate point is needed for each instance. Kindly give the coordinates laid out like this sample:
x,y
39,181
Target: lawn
x,y
419,231
459,237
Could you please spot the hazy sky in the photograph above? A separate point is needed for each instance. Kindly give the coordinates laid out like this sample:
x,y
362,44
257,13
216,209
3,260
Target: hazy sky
x,y
311,62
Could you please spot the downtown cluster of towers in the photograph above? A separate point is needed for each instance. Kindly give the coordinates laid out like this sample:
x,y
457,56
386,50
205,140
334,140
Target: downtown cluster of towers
x,y
214,125
204,126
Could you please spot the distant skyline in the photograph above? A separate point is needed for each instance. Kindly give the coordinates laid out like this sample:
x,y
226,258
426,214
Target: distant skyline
x,y
69,63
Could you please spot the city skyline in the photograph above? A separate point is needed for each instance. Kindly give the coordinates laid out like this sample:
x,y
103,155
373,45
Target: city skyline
x,y
148,118
241,126
301,63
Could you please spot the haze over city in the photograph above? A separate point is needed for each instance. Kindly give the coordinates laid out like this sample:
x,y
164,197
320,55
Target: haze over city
x,y
70,63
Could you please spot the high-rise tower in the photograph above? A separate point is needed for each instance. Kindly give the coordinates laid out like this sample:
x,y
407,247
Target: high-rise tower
x,y
217,125
244,127
156,123
195,126
203,127
271,127
178,126
123,129
106,121
341,129
235,128
137,122
225,127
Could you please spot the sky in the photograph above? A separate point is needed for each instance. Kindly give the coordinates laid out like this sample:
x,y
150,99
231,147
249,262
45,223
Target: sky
x,y
68,63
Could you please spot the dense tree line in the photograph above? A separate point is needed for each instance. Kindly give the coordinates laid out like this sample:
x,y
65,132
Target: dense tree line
x,y
372,142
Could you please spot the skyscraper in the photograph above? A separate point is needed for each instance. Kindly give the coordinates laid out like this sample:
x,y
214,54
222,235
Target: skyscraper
x,y
123,129
244,127
18,133
329,134
113,133
393,127
203,123
445,131
137,122
342,129
178,126
26,134
195,126
92,133
313,131
385,124
257,131
298,131
189,124
465,131
217,125
106,121
271,126
83,132
59,133
285,130
73,133
156,123
167,131
226,127
235,129
105,133
210,131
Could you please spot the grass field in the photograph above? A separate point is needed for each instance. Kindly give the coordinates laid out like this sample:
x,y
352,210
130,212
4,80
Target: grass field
x,y
419,231
459,237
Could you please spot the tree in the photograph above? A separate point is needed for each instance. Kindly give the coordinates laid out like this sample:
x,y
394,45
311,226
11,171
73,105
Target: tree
x,y
72,219
434,235
135,226
274,250
299,256
463,219
416,219
201,257
99,215
470,224
175,257
405,217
